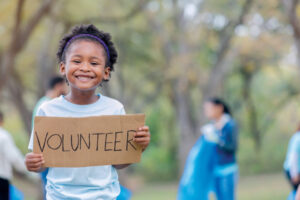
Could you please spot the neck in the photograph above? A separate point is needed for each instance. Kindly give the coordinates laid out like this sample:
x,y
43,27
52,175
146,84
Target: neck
x,y
82,97
218,118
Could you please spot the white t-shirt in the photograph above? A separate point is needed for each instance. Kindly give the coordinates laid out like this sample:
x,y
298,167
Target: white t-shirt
x,y
10,156
88,183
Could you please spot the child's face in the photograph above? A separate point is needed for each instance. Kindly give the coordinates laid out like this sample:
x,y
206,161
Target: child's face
x,y
84,67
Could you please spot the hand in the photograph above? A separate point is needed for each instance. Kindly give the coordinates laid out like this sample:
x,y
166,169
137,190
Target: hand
x,y
34,162
298,194
142,137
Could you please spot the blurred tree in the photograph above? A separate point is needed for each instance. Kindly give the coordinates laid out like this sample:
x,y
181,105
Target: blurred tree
x,y
176,35
19,36
291,9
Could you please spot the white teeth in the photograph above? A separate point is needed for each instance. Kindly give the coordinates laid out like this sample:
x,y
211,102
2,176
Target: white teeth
x,y
83,78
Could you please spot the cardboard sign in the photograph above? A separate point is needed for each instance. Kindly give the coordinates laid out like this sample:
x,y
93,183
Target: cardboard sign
x,y
88,141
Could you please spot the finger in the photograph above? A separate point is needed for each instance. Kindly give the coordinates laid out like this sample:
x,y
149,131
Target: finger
x,y
141,140
34,160
33,165
142,137
142,134
144,128
34,156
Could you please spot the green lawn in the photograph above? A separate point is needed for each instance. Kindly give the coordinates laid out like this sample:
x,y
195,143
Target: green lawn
x,y
258,187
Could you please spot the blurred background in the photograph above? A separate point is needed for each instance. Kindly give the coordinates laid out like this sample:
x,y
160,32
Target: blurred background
x,y
173,54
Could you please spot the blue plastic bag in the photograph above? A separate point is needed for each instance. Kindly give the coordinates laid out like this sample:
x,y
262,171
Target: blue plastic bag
x,y
15,193
125,194
196,181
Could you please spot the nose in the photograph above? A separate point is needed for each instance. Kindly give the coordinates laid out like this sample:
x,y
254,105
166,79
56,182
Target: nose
x,y
85,67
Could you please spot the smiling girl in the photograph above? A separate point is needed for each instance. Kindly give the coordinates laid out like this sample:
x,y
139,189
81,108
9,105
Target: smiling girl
x,y
87,57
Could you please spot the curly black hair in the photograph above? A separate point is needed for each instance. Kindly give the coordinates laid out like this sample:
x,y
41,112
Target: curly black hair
x,y
91,30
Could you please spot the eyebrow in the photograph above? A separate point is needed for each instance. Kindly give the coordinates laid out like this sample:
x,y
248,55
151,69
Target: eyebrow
x,y
93,57
77,55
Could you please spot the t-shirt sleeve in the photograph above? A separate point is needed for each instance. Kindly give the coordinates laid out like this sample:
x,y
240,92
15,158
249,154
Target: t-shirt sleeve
x,y
122,111
40,112
294,156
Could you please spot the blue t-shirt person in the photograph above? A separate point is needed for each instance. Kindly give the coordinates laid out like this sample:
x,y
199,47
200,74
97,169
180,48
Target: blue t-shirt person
x,y
211,165
292,162
89,183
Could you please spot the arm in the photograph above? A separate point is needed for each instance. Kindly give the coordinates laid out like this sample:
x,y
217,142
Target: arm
x,y
298,194
295,161
294,168
228,137
15,156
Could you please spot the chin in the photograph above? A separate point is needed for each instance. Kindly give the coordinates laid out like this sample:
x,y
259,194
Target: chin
x,y
85,87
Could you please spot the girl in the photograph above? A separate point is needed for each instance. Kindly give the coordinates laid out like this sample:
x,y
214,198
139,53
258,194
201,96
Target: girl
x,y
211,163
226,169
292,163
87,57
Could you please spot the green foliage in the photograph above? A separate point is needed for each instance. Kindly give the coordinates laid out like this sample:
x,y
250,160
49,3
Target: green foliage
x,y
159,161
14,126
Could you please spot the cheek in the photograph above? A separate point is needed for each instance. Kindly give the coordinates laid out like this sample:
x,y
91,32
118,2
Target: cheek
x,y
210,112
207,112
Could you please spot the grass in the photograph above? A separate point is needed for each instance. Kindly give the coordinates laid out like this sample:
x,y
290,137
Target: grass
x,y
260,187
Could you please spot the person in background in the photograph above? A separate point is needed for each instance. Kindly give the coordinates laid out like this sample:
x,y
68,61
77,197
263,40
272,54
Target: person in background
x,y
292,163
211,164
226,138
57,86
10,158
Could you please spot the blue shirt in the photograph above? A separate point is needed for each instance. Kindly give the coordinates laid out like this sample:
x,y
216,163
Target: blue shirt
x,y
88,183
227,142
292,161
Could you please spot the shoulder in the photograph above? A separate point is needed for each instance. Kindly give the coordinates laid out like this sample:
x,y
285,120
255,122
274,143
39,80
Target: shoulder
x,y
111,102
230,125
50,104
296,138
294,143
5,135
42,100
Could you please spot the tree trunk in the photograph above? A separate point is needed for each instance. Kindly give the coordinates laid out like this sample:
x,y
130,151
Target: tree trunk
x,y
17,97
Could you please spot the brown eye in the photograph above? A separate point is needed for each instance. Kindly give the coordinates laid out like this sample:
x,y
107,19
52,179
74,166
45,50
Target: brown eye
x,y
94,63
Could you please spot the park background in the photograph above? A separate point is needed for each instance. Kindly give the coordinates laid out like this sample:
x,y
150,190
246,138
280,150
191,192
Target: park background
x,y
173,54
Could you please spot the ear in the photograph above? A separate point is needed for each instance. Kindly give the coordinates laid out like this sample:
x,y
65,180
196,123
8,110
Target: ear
x,y
62,68
107,71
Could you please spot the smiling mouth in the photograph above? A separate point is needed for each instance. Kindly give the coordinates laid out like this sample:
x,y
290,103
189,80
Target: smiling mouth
x,y
84,78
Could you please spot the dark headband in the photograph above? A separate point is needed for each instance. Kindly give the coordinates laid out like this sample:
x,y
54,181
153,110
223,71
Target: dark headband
x,y
91,36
